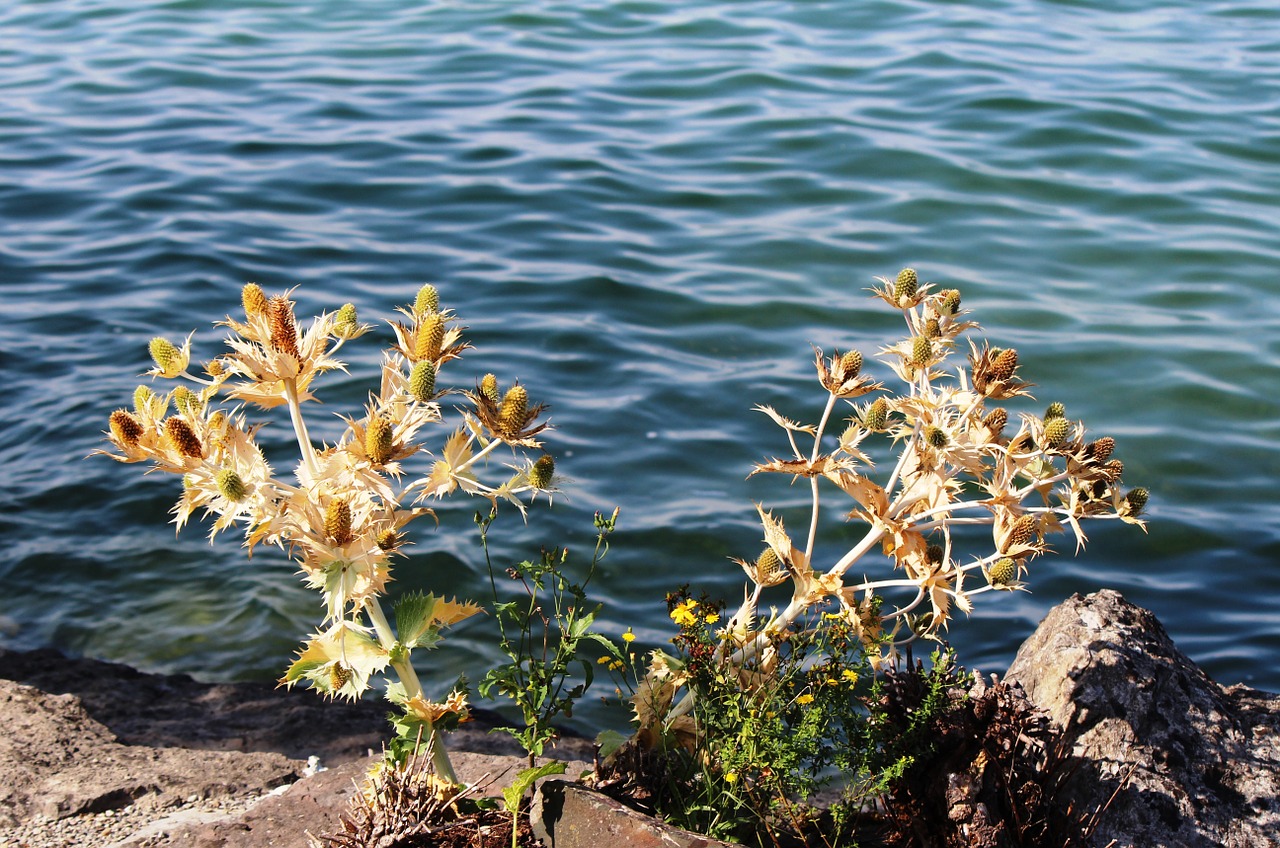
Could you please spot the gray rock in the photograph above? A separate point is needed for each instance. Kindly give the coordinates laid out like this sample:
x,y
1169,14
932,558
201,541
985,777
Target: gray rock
x,y
1168,756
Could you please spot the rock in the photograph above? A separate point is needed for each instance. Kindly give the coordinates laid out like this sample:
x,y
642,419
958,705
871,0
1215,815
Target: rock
x,y
1168,756
569,815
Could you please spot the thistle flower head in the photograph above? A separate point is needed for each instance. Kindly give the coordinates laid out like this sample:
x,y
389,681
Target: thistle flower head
x,y
489,388
1003,573
906,286
231,485
183,438
1056,431
422,381
932,329
877,415
1136,500
996,420
378,440
1055,410
427,301
950,302
850,364
921,351
346,322
169,359
125,428
1101,449
254,300
284,327
541,473
513,414
936,436
337,522
429,338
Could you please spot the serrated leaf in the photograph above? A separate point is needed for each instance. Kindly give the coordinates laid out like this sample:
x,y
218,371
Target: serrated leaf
x,y
513,793
414,614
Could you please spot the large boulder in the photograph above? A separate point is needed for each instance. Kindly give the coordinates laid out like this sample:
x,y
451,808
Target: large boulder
x,y
1167,756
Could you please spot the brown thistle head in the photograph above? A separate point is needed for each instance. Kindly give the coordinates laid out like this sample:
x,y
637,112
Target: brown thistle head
x,y
183,438
284,328
126,429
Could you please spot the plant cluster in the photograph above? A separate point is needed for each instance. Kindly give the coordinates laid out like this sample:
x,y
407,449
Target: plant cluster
x,y
343,516
966,476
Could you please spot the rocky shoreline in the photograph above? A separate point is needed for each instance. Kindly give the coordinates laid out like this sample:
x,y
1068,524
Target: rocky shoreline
x,y
100,754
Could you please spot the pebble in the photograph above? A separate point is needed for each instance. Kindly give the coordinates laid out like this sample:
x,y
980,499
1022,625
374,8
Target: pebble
x,y
112,828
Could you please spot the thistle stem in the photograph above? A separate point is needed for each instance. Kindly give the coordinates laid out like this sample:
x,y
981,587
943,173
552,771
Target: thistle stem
x,y
305,447
412,687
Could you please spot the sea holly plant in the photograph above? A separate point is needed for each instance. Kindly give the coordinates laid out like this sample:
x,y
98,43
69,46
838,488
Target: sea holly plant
x,y
344,513
967,507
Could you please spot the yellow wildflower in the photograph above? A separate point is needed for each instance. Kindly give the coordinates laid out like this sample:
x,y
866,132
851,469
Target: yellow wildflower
x,y
685,615
804,699
628,636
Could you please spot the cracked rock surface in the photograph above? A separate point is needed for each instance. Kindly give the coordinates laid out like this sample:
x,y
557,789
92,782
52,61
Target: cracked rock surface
x,y
1190,763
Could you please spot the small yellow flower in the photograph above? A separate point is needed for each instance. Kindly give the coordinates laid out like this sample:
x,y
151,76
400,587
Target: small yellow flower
x,y
628,636
731,777
806,698
850,675
603,661
684,614
711,617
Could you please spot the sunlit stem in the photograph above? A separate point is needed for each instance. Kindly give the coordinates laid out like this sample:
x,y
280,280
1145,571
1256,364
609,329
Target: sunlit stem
x,y
412,687
813,481
483,452
307,450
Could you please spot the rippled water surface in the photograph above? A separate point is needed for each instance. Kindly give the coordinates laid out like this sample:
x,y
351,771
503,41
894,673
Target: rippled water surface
x,y
647,212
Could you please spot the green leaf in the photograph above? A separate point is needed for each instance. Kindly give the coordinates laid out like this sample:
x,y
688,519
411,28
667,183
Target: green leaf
x,y
513,793
413,617
610,741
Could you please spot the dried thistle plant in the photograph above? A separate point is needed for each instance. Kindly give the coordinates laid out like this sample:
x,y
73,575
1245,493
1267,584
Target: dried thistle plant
x,y
342,518
961,463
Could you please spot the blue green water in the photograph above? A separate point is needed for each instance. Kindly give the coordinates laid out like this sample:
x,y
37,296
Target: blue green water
x,y
646,212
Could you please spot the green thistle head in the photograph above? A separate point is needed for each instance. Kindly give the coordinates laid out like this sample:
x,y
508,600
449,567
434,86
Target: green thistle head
x,y
767,563
1055,410
877,415
1136,499
1003,572
388,540
906,286
921,351
934,554
932,329
422,381
935,436
851,364
1056,431
166,356
427,301
950,301
346,322
489,388
231,485
542,471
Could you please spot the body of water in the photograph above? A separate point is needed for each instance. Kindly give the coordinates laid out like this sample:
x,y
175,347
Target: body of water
x,y
646,212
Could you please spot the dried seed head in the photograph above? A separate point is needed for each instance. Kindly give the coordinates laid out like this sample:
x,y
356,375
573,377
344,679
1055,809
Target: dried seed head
x,y
378,440
934,554
183,438
430,337
1023,531
1136,500
339,674
932,329
1056,431
284,329
877,415
214,368
1003,366
346,321
422,381
921,351
254,299
542,471
906,286
218,420
935,436
513,414
166,356
337,522
427,301
1102,448
1055,410
1113,469
1003,572
388,540
851,364
767,564
995,420
231,485
125,427
950,301
489,387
